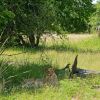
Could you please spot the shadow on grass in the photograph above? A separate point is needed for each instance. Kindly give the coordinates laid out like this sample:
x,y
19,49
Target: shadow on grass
x,y
59,48
14,75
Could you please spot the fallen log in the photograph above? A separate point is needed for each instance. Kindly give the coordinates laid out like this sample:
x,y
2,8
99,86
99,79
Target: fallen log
x,y
79,71
86,71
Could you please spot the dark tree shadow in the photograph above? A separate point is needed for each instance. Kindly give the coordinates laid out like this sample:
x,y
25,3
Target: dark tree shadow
x,y
58,48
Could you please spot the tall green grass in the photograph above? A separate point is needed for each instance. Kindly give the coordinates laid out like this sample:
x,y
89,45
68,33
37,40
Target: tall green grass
x,y
86,45
92,44
12,75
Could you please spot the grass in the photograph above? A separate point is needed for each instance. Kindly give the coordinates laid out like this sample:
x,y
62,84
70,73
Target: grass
x,y
68,89
92,44
54,54
58,59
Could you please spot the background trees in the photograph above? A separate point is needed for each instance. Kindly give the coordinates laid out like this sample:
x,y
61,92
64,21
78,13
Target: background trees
x,y
33,17
95,18
97,13
74,14
6,19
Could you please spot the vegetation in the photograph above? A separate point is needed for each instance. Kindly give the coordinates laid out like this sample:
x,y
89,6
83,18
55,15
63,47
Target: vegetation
x,y
77,88
95,18
33,38
33,62
33,18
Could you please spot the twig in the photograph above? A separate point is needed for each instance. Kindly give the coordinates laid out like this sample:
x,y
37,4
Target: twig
x,y
13,54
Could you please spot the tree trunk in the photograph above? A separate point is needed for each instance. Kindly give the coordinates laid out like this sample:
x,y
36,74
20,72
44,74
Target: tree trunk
x,y
3,38
32,40
37,40
21,39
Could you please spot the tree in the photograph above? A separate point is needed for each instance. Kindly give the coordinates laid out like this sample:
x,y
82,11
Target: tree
x,y
33,17
98,13
74,14
6,16
95,18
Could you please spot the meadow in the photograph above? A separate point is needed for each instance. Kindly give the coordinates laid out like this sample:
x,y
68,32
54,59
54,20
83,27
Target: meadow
x,y
54,52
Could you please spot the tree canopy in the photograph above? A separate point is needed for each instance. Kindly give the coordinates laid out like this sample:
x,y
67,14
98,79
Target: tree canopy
x,y
33,17
95,18
75,14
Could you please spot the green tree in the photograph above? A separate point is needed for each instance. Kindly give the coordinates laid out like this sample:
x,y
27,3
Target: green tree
x,y
95,18
6,16
74,14
98,13
33,17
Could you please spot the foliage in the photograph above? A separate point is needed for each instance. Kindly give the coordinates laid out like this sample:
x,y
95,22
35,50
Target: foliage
x,y
6,70
12,75
74,15
95,18
5,16
98,13
33,18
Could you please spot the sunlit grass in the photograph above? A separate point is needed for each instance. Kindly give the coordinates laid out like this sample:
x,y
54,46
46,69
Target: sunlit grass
x,y
79,89
92,44
57,58
76,43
